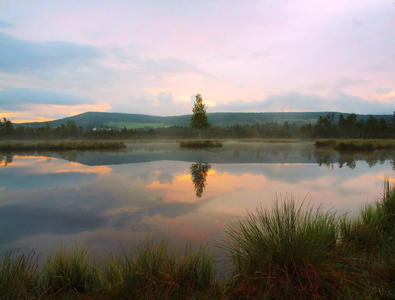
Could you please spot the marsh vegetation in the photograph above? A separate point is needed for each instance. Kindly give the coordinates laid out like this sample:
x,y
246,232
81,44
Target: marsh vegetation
x,y
200,144
352,145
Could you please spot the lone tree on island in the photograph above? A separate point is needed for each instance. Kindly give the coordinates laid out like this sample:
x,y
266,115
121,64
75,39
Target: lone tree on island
x,y
199,118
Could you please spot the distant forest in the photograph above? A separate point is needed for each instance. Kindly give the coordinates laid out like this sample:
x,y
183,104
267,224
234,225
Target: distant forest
x,y
329,125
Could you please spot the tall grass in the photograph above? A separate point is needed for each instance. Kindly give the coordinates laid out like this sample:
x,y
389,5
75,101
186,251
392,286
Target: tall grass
x,y
283,252
19,275
158,271
369,243
71,272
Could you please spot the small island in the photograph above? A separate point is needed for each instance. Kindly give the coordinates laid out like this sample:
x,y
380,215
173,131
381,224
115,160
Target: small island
x,y
200,122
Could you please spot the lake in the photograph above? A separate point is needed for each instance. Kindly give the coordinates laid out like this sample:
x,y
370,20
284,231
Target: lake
x,y
114,199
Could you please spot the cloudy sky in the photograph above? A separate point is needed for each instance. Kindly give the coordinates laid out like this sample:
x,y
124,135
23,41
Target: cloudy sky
x,y
61,58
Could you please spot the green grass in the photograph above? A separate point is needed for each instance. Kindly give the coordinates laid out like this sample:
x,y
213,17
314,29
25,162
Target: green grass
x,y
159,271
71,272
355,144
283,252
198,144
19,275
289,251
61,145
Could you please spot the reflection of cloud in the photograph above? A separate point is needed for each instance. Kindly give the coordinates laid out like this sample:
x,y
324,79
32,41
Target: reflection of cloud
x,y
23,220
158,197
78,168
40,174
16,181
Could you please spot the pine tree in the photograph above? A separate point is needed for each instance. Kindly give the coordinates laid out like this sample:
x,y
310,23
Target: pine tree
x,y
199,118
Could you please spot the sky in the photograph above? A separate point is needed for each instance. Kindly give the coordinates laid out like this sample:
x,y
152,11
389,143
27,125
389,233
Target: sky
x,y
62,58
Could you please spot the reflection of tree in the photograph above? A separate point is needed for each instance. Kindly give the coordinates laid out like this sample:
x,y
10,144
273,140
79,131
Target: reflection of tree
x,y
8,158
199,176
351,158
325,158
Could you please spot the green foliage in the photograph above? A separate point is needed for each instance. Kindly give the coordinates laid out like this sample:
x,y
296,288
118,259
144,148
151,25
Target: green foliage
x,y
6,128
199,118
225,125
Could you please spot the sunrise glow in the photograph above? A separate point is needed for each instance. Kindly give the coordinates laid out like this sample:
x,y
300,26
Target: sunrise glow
x,y
153,58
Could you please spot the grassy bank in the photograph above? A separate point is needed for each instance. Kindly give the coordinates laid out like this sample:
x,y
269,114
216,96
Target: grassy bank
x,y
355,145
61,145
198,144
289,251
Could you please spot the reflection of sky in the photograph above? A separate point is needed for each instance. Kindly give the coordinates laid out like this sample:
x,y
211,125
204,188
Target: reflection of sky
x,y
47,202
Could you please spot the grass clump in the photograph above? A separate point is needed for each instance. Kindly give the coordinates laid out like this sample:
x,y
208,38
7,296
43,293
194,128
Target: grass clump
x,y
158,271
198,144
71,272
369,242
19,275
285,252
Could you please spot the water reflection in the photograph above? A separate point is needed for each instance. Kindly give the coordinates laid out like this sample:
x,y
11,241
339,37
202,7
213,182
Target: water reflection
x,y
199,172
5,160
107,199
236,153
350,159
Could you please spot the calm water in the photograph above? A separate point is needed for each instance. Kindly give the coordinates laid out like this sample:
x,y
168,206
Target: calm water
x,y
110,200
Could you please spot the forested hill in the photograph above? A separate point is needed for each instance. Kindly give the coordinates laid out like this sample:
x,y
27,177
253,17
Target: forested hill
x,y
91,120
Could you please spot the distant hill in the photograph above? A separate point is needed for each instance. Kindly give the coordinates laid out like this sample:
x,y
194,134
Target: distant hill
x,y
90,120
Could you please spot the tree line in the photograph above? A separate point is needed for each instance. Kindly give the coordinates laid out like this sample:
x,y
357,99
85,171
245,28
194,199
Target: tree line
x,y
327,126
